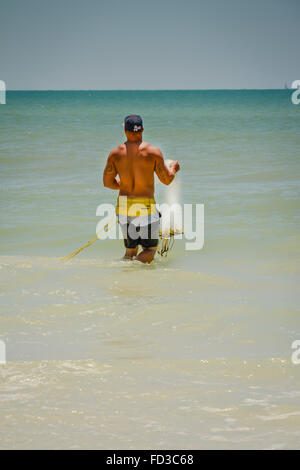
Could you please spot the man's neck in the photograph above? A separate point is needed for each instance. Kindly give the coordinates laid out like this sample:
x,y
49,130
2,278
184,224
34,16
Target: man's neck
x,y
137,142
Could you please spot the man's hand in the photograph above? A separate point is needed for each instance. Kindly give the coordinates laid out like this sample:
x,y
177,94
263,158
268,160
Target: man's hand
x,y
174,167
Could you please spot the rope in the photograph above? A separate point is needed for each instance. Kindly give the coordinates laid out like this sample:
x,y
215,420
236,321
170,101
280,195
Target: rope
x,y
91,241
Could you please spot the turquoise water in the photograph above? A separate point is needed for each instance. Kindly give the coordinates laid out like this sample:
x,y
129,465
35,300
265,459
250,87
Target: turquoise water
x,y
193,351
238,150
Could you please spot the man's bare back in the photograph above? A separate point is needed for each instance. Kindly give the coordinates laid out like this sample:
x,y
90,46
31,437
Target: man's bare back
x,y
135,163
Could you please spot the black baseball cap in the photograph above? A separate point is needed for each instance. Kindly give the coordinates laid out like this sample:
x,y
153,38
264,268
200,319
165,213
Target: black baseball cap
x,y
133,123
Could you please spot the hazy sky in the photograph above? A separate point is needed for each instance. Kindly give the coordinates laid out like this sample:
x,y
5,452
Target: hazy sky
x,y
153,44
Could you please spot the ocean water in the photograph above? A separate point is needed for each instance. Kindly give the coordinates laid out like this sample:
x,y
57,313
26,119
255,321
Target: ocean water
x,y
192,351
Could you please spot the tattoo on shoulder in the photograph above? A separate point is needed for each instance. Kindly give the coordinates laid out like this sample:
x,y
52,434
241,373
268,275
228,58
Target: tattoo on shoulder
x,y
109,169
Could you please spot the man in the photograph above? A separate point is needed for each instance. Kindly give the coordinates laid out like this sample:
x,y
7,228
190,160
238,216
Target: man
x,y
130,169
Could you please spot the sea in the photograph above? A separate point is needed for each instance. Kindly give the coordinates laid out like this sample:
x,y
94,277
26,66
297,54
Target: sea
x,y
199,349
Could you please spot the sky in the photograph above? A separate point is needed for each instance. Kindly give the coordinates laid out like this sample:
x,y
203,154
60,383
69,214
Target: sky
x,y
149,44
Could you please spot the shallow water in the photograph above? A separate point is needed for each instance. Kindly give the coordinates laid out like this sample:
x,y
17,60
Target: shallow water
x,y
193,351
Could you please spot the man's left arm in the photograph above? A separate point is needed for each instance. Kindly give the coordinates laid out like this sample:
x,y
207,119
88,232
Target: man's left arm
x,y
110,173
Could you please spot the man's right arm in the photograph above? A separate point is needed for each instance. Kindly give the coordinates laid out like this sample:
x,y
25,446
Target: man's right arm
x,y
164,174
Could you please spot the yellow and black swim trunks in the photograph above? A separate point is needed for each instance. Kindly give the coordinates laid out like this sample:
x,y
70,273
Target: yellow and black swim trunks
x,y
139,221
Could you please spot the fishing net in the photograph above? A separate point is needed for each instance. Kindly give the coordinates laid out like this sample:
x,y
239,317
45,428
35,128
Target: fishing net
x,y
166,241
171,217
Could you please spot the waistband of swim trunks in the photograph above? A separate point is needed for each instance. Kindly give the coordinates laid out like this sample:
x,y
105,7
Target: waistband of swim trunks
x,y
135,206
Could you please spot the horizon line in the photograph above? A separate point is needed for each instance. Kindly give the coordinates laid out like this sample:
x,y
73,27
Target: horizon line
x,y
148,89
